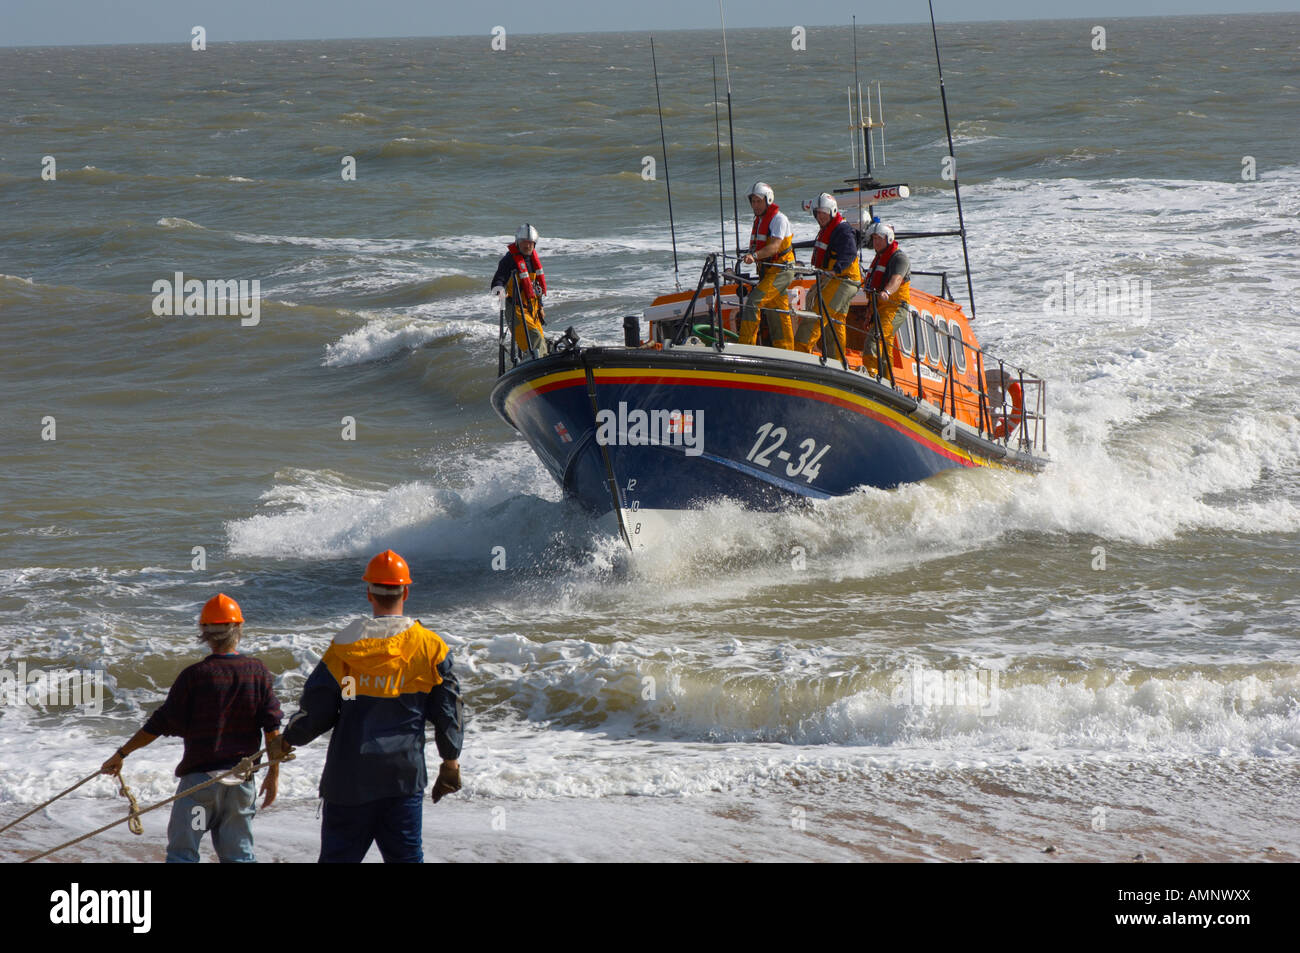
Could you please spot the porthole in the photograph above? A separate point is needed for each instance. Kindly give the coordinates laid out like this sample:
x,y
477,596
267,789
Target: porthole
x,y
931,338
958,347
903,333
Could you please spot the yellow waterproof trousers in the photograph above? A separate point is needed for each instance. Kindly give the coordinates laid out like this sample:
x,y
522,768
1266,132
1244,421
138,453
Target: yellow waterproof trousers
x,y
890,313
770,296
528,328
828,298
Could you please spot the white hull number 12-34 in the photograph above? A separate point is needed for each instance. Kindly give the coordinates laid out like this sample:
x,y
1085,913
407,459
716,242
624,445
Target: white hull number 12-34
x,y
807,464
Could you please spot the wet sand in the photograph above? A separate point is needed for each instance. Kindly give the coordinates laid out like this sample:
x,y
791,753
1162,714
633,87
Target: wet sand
x,y
1197,811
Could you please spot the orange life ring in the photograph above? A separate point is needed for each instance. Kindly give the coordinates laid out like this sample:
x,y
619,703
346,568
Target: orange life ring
x,y
1007,423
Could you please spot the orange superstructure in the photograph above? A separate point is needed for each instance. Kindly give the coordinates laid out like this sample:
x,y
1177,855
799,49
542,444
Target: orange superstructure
x,y
934,355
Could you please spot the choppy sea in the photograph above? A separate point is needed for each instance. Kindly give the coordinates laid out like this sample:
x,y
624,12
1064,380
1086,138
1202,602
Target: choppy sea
x,y
1124,625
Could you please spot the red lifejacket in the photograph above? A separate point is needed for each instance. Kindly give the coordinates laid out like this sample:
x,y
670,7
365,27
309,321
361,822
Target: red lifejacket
x,y
819,254
879,264
523,266
758,233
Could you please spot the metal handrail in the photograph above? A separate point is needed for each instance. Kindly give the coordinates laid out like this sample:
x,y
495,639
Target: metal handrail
x,y
1031,430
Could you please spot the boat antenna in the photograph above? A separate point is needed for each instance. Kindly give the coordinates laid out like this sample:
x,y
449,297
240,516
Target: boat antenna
x,y
853,139
731,132
857,153
672,228
961,222
717,135
866,143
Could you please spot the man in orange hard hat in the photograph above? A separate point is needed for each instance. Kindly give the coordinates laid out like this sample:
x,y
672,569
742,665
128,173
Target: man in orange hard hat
x,y
221,707
380,680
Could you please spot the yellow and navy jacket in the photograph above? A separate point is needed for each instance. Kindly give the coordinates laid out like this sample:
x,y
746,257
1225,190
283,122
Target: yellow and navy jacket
x,y
380,680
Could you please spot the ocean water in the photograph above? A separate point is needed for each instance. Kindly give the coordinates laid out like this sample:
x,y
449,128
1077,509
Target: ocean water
x,y
1102,658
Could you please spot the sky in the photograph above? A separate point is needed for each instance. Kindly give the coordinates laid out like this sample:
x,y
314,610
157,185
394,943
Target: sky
x,y
78,22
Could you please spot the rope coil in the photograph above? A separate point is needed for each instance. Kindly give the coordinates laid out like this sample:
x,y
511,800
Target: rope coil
x,y
244,771
133,819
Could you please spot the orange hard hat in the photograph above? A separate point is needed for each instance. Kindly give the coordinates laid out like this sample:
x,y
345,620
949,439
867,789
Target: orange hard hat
x,y
388,569
220,609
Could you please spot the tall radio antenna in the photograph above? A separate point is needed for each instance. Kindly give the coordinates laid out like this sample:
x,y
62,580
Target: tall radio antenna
x,y
731,130
961,222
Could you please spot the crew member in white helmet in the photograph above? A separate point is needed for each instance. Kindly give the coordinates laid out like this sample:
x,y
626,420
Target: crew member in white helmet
x,y
520,273
888,286
769,246
835,252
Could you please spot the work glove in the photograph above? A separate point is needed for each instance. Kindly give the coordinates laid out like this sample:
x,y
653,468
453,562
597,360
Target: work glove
x,y
448,781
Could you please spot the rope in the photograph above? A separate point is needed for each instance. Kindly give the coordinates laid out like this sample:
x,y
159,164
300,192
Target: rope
x,y
39,807
133,819
798,269
244,771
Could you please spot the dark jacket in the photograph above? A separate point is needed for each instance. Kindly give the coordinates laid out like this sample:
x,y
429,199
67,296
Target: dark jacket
x,y
505,268
843,245
220,706
379,682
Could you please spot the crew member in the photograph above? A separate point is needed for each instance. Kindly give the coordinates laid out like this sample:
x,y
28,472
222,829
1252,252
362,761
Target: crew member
x,y
888,277
836,252
380,680
769,245
520,273
218,706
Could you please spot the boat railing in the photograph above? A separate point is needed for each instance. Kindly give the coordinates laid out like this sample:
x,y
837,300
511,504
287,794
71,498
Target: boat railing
x,y
945,291
1008,405
715,275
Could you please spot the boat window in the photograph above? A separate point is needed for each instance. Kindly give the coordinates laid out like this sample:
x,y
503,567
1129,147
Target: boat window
x,y
941,338
958,347
903,334
931,339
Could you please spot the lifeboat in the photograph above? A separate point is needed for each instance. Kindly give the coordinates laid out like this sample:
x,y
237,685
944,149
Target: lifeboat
x,y
681,415
685,417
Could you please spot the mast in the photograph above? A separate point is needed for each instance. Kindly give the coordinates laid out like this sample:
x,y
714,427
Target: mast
x,y
672,228
864,179
731,132
961,222
866,139
717,136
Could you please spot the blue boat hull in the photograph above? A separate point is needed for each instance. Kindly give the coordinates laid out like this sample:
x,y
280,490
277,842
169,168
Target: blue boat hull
x,y
626,430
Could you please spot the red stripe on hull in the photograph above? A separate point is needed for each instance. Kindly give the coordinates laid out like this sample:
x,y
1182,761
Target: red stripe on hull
x,y
676,381
793,392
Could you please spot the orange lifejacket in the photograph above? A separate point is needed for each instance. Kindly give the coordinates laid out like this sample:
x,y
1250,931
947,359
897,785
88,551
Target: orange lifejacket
x,y
819,254
879,265
758,231
524,266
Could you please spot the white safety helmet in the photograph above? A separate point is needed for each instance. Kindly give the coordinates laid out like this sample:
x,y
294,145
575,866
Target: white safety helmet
x,y
526,233
884,231
763,191
826,203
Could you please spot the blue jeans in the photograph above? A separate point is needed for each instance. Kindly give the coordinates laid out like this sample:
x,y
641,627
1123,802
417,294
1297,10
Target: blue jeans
x,y
394,823
225,810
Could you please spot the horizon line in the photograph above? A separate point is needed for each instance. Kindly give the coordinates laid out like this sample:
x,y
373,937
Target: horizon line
x,y
438,36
